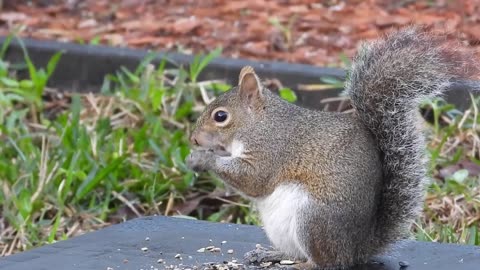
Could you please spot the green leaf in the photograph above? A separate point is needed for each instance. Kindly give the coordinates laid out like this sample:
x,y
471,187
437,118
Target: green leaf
x,y
26,84
23,203
288,94
222,87
94,178
95,40
199,63
5,45
132,77
473,236
143,64
9,82
52,63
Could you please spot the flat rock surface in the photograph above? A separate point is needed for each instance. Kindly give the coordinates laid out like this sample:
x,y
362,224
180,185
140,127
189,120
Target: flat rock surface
x,y
140,243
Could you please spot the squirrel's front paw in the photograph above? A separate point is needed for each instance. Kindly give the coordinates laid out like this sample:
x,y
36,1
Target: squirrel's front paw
x,y
198,160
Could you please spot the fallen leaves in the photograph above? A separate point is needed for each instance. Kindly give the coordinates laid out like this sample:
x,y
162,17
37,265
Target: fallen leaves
x,y
307,31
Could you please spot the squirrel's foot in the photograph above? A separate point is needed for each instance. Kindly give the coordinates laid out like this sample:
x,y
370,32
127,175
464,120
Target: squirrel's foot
x,y
200,160
263,255
308,265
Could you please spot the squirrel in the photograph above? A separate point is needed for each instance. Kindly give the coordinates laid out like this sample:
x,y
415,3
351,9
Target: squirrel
x,y
333,189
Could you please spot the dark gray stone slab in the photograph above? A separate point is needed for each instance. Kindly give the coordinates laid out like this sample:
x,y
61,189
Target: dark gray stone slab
x,y
120,247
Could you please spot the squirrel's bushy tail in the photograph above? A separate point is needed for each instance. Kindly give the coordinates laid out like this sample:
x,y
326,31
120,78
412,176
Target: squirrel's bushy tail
x,y
388,80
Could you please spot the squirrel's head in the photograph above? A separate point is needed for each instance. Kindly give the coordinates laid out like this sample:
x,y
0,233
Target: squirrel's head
x,y
230,114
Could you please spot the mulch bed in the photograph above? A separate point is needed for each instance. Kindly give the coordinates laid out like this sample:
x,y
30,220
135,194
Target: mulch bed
x,y
301,31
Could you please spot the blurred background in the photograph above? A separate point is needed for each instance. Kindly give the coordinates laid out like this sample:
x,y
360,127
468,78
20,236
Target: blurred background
x,y
71,163
301,31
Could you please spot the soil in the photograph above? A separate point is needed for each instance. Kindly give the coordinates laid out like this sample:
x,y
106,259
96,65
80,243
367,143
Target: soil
x,y
302,31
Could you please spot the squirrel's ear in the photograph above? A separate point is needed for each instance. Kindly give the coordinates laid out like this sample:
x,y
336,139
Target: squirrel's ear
x,y
249,85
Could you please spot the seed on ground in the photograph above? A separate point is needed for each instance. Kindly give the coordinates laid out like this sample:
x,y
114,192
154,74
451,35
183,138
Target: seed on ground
x,y
265,264
178,256
230,251
286,262
147,238
201,250
160,261
144,249
224,242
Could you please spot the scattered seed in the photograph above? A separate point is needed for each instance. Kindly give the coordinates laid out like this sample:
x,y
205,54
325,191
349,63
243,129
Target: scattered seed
x,y
160,261
224,242
216,250
234,261
144,249
183,237
265,264
178,256
209,248
147,238
258,246
125,261
201,250
230,251
286,262
109,268
209,240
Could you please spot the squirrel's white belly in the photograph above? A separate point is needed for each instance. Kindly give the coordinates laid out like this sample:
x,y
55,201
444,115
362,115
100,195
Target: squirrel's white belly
x,y
279,212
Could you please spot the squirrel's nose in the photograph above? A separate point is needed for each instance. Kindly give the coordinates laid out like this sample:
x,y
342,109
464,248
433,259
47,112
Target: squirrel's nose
x,y
193,140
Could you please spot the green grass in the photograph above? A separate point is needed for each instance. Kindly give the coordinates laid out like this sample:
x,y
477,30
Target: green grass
x,y
75,163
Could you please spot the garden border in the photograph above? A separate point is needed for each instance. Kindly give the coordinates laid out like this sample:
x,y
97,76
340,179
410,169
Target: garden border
x,y
93,62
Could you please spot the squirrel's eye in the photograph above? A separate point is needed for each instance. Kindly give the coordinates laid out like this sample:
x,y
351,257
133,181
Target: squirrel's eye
x,y
220,116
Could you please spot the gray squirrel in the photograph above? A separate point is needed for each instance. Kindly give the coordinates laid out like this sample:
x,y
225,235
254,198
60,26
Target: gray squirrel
x,y
333,189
